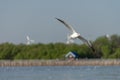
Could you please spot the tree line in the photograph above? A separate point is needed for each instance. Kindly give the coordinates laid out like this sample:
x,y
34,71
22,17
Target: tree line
x,y
105,47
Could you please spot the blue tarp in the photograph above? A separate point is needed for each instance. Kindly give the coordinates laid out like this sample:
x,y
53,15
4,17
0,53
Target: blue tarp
x,y
74,54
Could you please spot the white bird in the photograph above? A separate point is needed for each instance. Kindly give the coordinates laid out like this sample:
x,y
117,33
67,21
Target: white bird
x,y
75,35
29,41
108,37
69,40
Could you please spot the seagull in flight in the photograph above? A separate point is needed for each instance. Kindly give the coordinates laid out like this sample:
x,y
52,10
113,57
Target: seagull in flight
x,y
69,40
29,41
75,35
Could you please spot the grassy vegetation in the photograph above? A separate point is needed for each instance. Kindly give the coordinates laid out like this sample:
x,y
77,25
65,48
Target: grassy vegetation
x,y
105,48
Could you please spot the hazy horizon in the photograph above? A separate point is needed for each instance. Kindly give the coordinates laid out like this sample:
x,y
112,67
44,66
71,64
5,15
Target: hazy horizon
x,y
36,18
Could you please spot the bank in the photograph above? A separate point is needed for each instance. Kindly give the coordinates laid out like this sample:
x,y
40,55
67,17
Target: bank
x,y
81,62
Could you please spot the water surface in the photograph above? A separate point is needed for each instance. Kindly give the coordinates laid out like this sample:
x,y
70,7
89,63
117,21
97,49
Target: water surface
x,y
60,73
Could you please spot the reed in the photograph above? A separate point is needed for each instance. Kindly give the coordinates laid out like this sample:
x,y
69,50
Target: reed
x,y
81,62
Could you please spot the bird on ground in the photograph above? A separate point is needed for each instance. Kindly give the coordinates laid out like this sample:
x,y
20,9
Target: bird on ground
x,y
75,34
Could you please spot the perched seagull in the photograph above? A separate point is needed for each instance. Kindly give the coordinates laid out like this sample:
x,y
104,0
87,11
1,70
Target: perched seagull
x,y
29,41
75,35
108,37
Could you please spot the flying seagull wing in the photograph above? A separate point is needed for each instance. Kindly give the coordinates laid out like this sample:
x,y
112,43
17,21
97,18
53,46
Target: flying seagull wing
x,y
28,38
67,25
82,39
32,41
87,43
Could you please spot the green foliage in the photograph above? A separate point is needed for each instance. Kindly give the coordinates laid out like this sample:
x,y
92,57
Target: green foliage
x,y
105,48
106,51
116,54
85,52
115,39
100,42
8,51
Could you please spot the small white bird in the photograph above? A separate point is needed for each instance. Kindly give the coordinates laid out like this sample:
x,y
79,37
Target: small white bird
x,y
75,35
29,41
108,37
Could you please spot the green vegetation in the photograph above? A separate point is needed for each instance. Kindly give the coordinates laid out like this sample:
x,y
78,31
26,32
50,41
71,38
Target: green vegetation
x,y
105,48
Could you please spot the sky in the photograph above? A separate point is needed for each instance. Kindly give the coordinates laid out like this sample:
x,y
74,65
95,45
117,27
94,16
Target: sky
x,y
36,18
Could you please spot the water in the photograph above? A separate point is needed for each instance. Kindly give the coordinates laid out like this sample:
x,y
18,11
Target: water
x,y
60,73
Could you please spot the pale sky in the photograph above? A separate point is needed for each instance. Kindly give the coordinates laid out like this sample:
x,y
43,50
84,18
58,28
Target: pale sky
x,y
36,18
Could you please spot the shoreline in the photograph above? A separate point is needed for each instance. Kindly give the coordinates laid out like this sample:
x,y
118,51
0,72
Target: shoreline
x,y
80,62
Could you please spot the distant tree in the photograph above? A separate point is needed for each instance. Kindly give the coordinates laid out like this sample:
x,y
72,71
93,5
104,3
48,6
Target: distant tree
x,y
99,42
8,51
105,48
85,52
115,40
106,51
116,54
